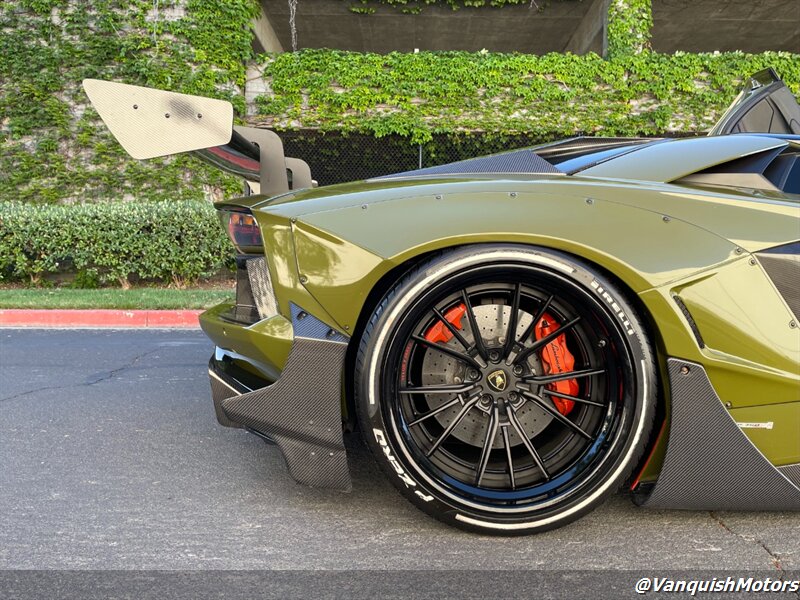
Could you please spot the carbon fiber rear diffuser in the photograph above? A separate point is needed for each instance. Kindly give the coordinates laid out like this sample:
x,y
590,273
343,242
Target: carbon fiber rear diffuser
x,y
301,412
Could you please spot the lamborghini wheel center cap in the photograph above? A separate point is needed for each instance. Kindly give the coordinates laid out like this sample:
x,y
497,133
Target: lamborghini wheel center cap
x,y
498,380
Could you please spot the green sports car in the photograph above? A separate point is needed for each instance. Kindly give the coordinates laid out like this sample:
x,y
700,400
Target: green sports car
x,y
520,335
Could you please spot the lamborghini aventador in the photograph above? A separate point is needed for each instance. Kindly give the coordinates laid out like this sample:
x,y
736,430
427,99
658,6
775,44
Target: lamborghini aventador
x,y
516,336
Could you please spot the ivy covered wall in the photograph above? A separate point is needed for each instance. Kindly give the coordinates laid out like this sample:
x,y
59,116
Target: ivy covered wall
x,y
53,148
52,144
550,96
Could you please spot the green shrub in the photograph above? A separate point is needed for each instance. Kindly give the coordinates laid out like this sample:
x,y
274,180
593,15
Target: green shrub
x,y
175,242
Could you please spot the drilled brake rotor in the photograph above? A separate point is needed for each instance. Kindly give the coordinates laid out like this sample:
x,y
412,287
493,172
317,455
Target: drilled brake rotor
x,y
440,368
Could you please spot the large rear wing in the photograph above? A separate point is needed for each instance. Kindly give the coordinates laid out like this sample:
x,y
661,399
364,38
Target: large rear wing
x,y
150,123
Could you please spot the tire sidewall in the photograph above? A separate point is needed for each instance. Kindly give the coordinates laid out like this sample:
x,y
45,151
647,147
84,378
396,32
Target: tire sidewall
x,y
380,432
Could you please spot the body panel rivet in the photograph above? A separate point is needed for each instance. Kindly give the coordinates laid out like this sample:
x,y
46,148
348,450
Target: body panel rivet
x,y
665,218
685,370
589,201
303,279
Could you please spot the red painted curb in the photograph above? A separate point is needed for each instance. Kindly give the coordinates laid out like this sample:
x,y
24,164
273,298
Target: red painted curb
x,y
99,318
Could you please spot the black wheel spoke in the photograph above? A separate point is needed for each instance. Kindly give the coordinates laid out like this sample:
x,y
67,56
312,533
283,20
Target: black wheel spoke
x,y
542,342
540,402
512,418
451,328
439,389
473,325
435,411
558,394
461,414
507,445
447,350
545,379
529,329
491,434
511,336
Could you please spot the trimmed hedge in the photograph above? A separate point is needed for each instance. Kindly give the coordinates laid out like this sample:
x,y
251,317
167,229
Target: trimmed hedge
x,y
176,242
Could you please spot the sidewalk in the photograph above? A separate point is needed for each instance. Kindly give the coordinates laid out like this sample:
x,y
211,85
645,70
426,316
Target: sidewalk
x,y
164,319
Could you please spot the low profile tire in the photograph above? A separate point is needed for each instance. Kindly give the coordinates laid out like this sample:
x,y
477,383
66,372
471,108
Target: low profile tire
x,y
506,389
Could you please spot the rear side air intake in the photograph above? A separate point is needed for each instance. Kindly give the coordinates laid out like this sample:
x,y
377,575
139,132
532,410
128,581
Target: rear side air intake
x,y
782,265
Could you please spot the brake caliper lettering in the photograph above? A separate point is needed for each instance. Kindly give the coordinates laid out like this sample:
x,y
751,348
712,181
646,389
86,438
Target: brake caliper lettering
x,y
556,358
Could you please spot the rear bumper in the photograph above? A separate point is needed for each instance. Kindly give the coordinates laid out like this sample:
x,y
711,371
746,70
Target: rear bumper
x,y
301,410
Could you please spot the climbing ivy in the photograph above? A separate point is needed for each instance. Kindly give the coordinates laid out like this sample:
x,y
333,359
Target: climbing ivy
x,y
555,95
52,144
629,25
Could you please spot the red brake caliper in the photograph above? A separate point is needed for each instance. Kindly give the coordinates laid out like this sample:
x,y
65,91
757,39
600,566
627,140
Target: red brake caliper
x,y
556,358
439,331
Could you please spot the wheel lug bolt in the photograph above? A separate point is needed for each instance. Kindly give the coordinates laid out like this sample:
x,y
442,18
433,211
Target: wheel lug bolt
x,y
518,370
486,399
473,374
513,396
494,355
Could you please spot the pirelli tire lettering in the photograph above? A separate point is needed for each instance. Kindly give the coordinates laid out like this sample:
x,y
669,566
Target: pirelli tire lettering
x,y
614,306
398,468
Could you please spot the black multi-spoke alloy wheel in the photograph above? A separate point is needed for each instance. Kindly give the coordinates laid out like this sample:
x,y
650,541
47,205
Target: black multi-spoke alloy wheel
x,y
504,388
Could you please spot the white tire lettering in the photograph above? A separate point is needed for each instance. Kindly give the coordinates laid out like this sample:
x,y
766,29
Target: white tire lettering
x,y
381,439
614,306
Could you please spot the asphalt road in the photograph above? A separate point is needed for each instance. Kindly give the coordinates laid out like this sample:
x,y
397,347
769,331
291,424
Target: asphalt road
x,y
111,458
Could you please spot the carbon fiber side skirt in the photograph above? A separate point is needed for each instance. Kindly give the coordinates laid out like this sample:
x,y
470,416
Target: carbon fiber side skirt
x,y
710,463
301,412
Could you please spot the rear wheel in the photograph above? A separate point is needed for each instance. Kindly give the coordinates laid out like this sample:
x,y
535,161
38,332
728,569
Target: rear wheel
x,y
505,388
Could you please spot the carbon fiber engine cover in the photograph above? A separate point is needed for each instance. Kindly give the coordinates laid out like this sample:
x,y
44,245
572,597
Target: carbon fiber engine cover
x,y
710,463
302,411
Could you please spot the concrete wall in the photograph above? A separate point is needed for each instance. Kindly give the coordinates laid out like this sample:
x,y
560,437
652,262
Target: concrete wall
x,y
562,25
577,26
708,25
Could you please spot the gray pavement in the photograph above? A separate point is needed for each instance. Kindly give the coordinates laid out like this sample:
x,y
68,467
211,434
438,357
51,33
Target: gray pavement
x,y
111,458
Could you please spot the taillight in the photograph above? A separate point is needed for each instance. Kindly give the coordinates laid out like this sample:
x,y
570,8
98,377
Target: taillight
x,y
243,231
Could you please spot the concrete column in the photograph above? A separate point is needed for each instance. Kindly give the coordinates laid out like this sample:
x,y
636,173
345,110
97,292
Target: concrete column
x,y
590,34
264,38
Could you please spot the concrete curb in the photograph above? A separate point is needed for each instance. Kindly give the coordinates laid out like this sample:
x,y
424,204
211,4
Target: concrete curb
x,y
137,319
